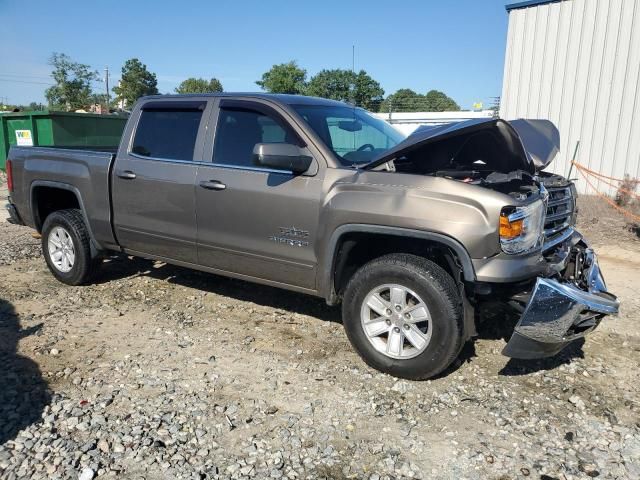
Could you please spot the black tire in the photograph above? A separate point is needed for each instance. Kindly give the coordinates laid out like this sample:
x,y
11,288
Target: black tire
x,y
437,290
84,265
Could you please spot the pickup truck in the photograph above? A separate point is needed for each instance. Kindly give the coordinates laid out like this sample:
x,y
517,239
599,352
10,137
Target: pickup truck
x,y
412,235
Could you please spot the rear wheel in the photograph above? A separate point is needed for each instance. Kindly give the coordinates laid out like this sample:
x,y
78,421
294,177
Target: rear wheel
x,y
403,314
66,246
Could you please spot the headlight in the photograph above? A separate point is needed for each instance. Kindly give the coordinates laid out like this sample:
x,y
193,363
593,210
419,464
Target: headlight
x,y
521,227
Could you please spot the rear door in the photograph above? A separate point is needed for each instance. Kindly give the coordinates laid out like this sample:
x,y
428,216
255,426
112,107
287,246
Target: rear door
x,y
255,221
154,177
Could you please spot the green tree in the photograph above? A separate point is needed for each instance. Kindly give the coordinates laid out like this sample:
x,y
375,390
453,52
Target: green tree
x,y
404,100
36,106
407,100
199,85
347,86
136,82
334,84
99,99
284,78
437,101
367,92
73,83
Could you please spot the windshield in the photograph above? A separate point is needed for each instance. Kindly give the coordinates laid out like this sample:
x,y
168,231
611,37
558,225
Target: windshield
x,y
351,133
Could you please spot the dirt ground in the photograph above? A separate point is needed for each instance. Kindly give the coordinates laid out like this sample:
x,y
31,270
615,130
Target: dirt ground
x,y
156,371
602,225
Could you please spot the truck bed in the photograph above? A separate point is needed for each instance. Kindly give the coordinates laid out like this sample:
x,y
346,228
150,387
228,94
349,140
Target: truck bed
x,y
85,172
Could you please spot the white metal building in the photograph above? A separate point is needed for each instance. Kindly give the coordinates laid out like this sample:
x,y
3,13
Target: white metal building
x,y
577,63
407,122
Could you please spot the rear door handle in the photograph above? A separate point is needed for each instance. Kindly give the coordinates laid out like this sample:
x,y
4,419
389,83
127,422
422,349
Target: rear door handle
x,y
126,174
213,185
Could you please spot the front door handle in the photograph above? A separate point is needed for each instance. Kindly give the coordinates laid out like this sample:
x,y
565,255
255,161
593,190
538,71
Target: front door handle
x,y
126,174
213,185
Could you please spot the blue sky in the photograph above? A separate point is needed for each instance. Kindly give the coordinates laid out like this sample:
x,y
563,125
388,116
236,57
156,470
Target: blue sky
x,y
456,46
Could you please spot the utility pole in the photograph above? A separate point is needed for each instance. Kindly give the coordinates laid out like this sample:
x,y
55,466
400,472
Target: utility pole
x,y
495,106
106,81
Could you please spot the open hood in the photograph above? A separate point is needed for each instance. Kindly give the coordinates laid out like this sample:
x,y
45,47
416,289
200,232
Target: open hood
x,y
484,144
541,140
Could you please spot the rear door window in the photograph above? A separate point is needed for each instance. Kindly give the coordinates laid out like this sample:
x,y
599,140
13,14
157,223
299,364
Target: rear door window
x,y
167,133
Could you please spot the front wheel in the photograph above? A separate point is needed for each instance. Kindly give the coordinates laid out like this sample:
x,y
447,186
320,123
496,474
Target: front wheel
x,y
66,247
403,314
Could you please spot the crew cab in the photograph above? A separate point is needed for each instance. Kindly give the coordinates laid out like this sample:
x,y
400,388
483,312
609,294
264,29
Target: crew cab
x,y
411,234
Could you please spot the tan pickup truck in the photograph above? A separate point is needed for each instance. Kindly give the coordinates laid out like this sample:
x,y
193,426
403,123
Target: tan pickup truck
x,y
411,234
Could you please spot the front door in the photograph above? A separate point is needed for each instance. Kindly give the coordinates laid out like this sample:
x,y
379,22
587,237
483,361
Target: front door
x,y
153,182
253,221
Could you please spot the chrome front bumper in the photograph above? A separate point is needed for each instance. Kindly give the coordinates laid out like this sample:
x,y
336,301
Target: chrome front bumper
x,y
563,308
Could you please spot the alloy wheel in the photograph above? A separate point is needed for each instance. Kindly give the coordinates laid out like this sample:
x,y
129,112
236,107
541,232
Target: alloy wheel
x,y
61,249
396,321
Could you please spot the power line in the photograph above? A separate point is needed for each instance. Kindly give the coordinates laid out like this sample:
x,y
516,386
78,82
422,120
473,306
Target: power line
x,y
26,75
25,81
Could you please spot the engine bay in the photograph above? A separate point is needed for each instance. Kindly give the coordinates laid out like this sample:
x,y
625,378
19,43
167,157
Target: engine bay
x,y
478,158
506,156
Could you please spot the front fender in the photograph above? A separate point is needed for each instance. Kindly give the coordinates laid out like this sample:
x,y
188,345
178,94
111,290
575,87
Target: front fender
x,y
327,267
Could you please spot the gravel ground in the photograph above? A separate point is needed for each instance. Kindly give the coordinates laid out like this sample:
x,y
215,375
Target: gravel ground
x,y
15,242
158,372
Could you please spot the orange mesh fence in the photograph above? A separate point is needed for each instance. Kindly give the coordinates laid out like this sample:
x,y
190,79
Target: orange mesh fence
x,y
585,172
602,178
597,174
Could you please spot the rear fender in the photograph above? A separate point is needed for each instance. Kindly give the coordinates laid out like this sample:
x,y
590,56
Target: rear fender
x,y
38,222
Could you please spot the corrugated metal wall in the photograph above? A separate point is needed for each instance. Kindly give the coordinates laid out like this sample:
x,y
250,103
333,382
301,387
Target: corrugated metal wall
x,y
577,63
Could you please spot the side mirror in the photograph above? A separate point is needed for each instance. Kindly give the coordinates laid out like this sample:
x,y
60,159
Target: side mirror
x,y
281,156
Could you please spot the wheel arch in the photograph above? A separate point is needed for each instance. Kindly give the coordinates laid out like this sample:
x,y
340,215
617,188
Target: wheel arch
x,y
332,268
39,188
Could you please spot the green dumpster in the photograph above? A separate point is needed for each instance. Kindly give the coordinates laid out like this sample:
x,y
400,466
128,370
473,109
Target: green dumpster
x,y
59,129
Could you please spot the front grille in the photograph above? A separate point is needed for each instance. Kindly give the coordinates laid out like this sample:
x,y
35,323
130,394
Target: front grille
x,y
560,210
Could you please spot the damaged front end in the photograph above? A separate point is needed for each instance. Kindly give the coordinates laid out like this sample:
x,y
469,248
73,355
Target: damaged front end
x,y
565,304
561,295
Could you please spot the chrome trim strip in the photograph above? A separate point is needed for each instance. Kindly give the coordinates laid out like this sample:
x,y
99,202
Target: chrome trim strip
x,y
561,201
168,160
557,216
251,169
220,165
549,244
552,231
